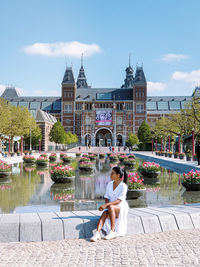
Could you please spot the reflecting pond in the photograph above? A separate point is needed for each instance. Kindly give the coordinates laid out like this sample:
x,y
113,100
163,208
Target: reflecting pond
x,y
30,189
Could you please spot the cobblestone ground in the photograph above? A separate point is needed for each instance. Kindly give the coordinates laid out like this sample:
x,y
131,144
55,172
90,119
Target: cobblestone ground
x,y
177,248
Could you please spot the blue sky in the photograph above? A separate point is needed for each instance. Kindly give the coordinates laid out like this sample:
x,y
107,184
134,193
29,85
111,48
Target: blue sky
x,y
39,37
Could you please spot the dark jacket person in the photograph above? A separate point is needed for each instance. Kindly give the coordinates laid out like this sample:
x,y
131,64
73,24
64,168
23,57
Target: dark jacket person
x,y
197,150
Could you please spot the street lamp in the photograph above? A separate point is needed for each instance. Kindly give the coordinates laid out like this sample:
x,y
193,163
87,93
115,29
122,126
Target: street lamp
x,y
192,144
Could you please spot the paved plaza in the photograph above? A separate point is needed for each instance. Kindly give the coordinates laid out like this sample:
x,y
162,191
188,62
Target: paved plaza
x,y
176,248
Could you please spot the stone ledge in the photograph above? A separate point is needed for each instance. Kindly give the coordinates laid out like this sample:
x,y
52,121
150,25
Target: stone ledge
x,y
30,227
169,163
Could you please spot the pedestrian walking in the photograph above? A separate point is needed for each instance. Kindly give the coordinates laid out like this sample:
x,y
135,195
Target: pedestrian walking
x,y
113,149
197,150
113,220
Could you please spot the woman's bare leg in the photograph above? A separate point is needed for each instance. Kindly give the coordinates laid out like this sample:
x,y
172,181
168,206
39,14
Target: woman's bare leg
x,y
113,211
102,220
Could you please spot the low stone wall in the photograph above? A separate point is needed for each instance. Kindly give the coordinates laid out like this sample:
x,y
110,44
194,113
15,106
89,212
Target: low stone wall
x,y
169,163
29,227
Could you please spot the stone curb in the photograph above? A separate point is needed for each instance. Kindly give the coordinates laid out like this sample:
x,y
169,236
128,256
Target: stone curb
x,y
30,227
175,165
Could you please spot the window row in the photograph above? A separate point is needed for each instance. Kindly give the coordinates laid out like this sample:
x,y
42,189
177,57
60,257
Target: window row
x,y
38,105
166,105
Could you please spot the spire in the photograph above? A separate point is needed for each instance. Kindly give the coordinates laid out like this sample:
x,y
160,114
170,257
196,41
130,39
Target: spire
x,y
82,60
129,81
82,81
68,76
129,60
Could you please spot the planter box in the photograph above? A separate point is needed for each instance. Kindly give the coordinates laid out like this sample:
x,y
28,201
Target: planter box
x,y
181,157
188,158
52,159
166,155
66,160
135,193
42,164
84,168
191,187
5,174
101,156
150,174
62,180
170,155
29,161
175,156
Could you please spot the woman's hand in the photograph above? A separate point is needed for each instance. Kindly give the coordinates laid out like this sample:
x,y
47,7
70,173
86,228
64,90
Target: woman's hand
x,y
102,207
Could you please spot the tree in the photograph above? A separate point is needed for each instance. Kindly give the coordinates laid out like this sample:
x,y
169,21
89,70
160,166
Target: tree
x,y
19,121
144,135
133,139
58,134
35,136
71,138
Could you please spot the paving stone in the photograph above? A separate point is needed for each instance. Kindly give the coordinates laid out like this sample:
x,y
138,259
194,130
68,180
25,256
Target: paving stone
x,y
183,219
150,222
73,225
52,226
9,228
89,222
30,227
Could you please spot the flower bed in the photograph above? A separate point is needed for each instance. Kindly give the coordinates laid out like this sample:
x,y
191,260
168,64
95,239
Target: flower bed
x,y
86,155
84,159
44,155
92,156
181,155
62,154
129,162
113,157
135,186
170,154
191,180
150,169
66,159
122,158
131,156
176,155
42,161
101,155
78,155
62,174
86,166
53,157
29,159
26,152
5,169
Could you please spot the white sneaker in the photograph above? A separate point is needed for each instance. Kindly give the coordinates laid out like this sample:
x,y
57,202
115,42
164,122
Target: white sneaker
x,y
96,237
111,235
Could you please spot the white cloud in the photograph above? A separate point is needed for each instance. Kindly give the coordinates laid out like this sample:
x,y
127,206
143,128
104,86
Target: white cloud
x,y
155,86
174,57
192,77
71,49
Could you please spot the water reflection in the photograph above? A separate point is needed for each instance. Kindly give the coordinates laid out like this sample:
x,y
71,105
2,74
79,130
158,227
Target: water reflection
x,y
31,189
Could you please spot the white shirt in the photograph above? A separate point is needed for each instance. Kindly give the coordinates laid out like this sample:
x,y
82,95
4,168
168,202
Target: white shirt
x,y
119,192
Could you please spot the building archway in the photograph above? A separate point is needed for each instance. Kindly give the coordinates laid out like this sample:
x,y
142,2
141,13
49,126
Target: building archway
x,y
119,140
87,140
103,137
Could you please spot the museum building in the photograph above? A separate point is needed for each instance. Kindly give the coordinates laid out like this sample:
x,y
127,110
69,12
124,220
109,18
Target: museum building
x,y
102,116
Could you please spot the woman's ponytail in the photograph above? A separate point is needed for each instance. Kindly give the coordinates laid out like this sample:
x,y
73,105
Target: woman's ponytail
x,y
125,176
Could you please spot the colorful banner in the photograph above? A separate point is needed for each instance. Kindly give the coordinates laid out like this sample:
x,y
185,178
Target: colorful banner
x,y
104,117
